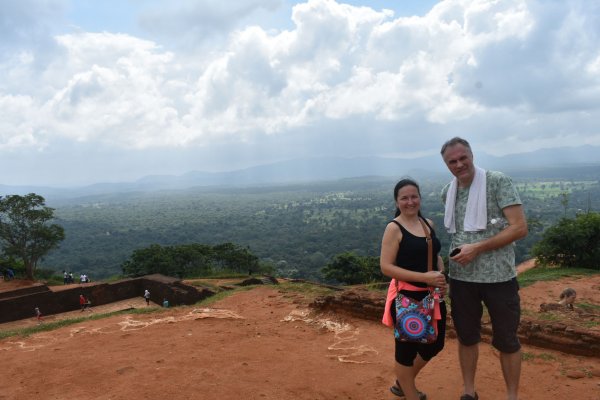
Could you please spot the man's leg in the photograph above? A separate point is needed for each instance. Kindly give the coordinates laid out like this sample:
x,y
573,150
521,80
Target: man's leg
x,y
503,303
467,311
511,369
468,356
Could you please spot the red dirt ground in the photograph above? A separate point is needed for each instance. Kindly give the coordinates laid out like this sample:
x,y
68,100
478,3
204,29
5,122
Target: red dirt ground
x,y
263,344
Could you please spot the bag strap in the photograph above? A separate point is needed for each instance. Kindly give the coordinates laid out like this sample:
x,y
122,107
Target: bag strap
x,y
429,246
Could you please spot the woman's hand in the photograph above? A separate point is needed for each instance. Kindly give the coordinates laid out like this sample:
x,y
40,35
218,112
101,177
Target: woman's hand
x,y
435,279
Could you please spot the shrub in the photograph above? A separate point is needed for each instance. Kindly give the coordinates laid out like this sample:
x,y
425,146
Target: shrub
x,y
571,243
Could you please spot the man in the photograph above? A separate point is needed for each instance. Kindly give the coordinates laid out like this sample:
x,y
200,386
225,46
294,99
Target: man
x,y
484,216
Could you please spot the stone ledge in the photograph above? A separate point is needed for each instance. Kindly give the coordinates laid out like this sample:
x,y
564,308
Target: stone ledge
x,y
369,305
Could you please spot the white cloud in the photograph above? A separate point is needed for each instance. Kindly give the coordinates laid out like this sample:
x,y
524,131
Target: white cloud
x,y
191,23
527,71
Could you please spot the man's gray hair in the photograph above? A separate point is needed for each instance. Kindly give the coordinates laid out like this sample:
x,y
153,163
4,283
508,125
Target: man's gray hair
x,y
454,141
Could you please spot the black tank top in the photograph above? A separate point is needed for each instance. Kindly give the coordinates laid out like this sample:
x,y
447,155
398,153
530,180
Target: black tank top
x,y
412,252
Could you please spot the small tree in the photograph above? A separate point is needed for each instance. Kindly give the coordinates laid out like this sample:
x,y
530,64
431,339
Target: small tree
x,y
190,260
352,269
571,242
25,232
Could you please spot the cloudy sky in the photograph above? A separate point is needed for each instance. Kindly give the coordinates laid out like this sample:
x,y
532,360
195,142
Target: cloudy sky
x,y
113,90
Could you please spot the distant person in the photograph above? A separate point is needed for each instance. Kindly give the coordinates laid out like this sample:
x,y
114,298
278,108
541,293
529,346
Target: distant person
x,y
166,303
147,296
65,278
71,280
81,278
10,273
405,259
84,303
484,217
38,315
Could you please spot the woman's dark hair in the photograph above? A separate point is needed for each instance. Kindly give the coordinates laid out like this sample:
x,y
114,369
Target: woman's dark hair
x,y
400,185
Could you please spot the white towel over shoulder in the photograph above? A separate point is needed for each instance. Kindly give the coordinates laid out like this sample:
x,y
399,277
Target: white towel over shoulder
x,y
476,213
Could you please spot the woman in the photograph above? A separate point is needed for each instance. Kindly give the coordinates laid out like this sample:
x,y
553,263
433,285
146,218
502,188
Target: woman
x,y
404,258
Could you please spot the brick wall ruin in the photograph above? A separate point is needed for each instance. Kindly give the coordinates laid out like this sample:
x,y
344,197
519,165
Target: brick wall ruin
x,y
20,303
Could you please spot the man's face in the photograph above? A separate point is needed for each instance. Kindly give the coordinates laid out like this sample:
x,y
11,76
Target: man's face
x,y
459,161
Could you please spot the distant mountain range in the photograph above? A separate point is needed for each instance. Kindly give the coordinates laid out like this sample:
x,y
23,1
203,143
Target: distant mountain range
x,y
551,161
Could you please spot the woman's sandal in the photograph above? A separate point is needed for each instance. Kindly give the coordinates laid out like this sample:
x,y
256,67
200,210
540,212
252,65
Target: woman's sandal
x,y
397,390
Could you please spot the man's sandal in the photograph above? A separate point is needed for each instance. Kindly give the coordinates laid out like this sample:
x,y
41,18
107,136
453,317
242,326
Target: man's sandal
x,y
397,390
469,397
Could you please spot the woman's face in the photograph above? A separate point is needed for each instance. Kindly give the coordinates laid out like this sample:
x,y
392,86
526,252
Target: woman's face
x,y
408,200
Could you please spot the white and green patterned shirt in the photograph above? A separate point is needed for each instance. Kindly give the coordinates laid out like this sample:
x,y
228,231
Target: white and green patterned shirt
x,y
495,265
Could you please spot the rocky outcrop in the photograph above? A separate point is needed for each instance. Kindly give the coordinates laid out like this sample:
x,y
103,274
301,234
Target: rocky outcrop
x,y
359,302
561,337
366,304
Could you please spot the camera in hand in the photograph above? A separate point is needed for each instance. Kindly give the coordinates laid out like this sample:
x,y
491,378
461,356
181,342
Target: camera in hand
x,y
454,252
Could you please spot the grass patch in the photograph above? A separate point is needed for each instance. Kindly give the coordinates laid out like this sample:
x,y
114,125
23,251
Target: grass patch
x,y
549,317
304,288
528,313
591,324
50,326
377,286
537,274
546,357
526,356
587,307
223,294
215,297
206,285
221,275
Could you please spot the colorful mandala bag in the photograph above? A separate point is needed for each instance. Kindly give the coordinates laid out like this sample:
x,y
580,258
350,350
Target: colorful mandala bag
x,y
414,319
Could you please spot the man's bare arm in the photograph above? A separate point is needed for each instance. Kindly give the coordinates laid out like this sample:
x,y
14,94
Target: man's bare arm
x,y
516,229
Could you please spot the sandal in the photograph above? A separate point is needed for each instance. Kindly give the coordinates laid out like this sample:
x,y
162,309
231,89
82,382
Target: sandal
x,y
397,390
469,397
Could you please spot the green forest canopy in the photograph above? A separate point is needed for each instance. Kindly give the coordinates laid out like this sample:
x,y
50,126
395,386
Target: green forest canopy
x,y
296,228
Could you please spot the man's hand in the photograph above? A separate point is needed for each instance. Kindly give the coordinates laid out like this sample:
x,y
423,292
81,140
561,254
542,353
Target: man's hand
x,y
467,253
516,229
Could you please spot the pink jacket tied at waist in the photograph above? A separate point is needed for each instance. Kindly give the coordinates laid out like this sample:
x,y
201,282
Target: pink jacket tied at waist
x,y
393,292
